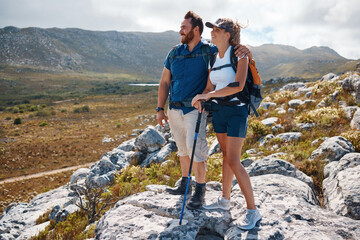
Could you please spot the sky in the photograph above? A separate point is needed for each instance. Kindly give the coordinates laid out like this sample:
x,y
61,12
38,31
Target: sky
x,y
299,23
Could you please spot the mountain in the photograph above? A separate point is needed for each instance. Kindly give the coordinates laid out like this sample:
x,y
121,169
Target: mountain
x,y
143,53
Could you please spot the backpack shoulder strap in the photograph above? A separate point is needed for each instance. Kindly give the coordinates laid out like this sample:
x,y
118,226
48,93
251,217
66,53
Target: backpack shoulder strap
x,y
233,59
206,53
172,54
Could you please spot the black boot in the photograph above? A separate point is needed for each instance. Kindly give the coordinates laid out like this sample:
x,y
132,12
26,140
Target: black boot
x,y
198,199
180,190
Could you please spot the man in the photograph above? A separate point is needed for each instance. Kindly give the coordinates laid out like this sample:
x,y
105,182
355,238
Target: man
x,y
184,75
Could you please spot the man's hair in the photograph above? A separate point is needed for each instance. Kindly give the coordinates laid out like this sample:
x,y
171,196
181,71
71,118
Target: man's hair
x,y
196,20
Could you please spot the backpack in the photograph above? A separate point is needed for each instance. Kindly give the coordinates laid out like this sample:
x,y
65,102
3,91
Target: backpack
x,y
251,94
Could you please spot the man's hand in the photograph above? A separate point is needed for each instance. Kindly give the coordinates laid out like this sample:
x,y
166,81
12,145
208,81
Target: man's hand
x,y
161,118
243,50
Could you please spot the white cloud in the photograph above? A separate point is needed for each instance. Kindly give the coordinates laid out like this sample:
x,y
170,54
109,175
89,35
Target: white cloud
x,y
301,23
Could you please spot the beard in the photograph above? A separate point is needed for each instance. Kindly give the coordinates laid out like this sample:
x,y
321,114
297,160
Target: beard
x,y
188,37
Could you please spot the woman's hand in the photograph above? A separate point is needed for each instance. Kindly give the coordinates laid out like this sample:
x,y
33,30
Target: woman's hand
x,y
196,101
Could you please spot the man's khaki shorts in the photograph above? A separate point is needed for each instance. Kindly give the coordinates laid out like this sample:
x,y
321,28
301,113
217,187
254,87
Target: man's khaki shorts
x,y
182,128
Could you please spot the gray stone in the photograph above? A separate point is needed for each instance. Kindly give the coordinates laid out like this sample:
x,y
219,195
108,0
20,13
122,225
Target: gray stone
x,y
288,206
341,186
79,174
291,110
332,149
305,126
293,86
159,156
128,145
295,103
270,165
350,111
267,105
150,140
352,84
289,136
355,122
277,127
19,220
101,173
214,148
329,77
308,94
269,121
264,140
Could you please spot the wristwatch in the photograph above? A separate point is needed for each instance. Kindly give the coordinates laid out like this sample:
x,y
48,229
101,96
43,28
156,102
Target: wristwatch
x,y
159,109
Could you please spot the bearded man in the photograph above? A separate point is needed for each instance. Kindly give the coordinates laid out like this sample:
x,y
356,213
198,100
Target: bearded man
x,y
185,75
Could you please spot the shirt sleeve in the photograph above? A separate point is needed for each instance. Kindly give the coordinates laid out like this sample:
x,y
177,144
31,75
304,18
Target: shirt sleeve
x,y
167,62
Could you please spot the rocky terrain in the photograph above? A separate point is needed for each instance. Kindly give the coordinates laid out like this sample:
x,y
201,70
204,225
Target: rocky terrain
x,y
142,54
284,195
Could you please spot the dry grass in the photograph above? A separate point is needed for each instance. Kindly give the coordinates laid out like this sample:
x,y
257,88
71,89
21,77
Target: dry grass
x,y
68,138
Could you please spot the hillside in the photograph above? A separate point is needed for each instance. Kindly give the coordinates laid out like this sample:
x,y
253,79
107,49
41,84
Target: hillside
x,y
142,54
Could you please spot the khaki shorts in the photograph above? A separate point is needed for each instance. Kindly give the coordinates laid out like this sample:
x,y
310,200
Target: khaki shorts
x,y
182,128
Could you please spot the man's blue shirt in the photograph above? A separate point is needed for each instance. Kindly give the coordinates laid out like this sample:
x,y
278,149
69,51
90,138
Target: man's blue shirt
x,y
189,75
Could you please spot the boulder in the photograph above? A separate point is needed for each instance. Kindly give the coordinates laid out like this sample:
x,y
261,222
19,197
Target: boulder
x,y
341,186
293,86
150,140
350,111
289,136
288,206
128,145
329,77
159,156
79,174
352,84
214,148
270,165
19,219
332,149
305,126
101,173
295,103
267,105
269,121
264,140
355,122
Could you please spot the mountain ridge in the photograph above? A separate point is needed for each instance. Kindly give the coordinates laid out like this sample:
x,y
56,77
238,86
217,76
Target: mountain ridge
x,y
143,53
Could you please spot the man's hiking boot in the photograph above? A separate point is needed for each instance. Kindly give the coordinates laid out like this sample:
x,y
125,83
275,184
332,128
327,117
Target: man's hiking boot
x,y
180,190
198,199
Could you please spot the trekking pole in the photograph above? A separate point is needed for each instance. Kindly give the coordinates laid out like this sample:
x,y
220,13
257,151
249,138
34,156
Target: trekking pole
x,y
192,157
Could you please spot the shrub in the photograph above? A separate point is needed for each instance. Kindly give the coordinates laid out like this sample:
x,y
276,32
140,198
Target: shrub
x,y
43,124
15,110
17,121
258,128
354,138
43,113
8,118
82,109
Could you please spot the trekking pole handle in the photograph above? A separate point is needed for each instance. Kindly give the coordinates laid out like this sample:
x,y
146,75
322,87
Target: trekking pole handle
x,y
199,116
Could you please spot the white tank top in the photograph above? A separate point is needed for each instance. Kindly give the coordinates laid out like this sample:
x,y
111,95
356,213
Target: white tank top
x,y
222,77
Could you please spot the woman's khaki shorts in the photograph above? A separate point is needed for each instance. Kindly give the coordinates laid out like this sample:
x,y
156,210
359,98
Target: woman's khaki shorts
x,y
182,128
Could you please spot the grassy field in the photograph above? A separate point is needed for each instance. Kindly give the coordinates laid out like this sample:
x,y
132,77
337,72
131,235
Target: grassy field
x,y
61,129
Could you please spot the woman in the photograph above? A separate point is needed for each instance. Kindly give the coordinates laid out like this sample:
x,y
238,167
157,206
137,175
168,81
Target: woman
x,y
230,122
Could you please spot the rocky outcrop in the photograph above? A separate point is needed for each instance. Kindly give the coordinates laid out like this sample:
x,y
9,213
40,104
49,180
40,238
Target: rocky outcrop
x,y
332,149
19,219
341,186
288,205
355,122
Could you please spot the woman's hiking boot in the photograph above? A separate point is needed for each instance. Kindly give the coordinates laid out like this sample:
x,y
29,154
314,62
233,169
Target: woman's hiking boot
x,y
198,198
181,188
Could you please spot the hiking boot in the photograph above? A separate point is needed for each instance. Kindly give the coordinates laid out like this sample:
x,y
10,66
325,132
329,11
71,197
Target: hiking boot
x,y
180,190
198,199
221,203
249,221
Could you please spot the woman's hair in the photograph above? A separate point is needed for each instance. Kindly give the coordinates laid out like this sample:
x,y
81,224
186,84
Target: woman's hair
x,y
196,20
235,34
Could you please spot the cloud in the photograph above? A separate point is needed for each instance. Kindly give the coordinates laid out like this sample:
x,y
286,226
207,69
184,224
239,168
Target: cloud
x,y
300,23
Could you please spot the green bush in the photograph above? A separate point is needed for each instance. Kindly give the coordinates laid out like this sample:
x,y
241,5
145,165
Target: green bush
x,y
8,118
43,113
82,109
17,121
44,124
